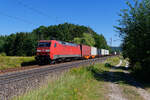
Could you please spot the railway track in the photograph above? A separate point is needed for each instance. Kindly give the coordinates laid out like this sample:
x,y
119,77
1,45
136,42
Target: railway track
x,y
44,70
14,78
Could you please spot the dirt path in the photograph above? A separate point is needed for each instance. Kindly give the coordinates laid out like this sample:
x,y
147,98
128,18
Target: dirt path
x,y
143,93
115,93
138,87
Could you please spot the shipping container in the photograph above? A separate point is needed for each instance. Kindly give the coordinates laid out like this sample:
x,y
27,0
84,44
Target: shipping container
x,y
93,52
99,52
102,52
85,51
107,52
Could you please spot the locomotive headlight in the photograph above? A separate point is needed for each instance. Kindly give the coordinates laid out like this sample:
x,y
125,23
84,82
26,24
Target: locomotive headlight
x,y
47,50
38,50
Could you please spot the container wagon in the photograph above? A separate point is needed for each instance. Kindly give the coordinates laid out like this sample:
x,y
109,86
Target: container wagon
x,y
102,52
99,52
85,51
93,52
107,52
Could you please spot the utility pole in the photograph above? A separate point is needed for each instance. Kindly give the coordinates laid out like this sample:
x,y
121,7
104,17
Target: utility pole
x,y
111,41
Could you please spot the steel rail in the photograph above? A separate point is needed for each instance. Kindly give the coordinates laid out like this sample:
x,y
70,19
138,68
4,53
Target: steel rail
x,y
45,70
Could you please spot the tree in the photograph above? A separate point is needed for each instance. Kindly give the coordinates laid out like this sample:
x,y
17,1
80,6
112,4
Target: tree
x,y
77,40
87,39
41,33
2,43
25,43
100,41
20,44
134,29
9,45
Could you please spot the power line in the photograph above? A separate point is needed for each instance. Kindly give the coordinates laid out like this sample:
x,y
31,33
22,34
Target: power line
x,y
17,18
35,10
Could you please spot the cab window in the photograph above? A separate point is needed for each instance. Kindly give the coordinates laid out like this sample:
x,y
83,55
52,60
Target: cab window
x,y
55,45
44,44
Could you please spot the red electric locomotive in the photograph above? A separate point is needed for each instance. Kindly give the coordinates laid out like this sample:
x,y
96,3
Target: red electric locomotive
x,y
49,51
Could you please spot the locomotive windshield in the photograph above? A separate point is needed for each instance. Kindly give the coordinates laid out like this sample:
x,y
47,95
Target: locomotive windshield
x,y
44,44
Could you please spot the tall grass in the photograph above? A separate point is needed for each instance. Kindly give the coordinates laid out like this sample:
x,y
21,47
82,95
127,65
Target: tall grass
x,y
13,62
77,84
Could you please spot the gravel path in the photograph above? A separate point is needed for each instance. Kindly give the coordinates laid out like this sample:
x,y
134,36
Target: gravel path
x,y
115,93
138,87
143,93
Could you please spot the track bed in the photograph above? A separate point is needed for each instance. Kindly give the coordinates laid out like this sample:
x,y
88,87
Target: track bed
x,y
14,83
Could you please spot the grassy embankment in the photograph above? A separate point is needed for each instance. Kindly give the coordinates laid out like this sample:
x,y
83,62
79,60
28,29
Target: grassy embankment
x,y
78,84
15,62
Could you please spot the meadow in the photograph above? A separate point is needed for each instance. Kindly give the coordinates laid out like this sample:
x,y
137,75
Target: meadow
x,y
15,62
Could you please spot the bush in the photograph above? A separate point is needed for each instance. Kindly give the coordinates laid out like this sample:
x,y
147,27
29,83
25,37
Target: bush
x,y
135,32
140,71
108,65
137,68
2,54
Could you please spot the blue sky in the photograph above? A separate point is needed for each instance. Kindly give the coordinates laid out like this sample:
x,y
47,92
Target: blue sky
x,y
100,15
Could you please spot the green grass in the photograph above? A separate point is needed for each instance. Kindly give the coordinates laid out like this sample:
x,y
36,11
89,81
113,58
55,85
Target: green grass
x,y
113,61
124,63
14,62
77,84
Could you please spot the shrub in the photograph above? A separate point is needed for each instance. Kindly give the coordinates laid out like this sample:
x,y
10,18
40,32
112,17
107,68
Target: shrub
x,y
2,54
135,32
137,67
141,70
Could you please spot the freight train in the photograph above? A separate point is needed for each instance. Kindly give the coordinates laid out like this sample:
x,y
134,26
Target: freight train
x,y
51,51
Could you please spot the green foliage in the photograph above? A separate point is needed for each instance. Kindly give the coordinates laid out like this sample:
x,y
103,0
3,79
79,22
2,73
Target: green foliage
x,y
116,49
64,32
3,54
20,44
78,84
100,42
14,62
135,31
2,43
87,39
77,40
137,67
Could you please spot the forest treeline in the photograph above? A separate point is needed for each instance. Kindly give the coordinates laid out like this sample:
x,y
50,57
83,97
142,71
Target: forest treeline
x,y
134,28
25,43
